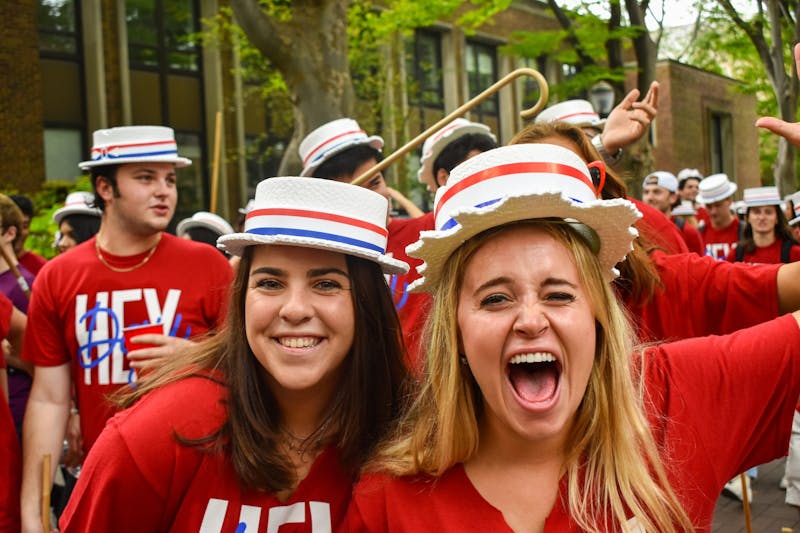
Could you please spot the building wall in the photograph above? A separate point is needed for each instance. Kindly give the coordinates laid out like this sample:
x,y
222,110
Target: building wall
x,y
21,105
687,100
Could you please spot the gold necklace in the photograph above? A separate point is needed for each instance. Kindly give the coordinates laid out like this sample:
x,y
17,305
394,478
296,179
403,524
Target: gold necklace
x,y
126,269
306,445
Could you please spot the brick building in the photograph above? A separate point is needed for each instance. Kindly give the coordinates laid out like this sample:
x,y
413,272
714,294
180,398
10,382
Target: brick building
x,y
73,66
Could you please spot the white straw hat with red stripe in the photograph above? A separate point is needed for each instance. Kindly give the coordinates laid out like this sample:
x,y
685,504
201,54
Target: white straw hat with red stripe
x,y
522,182
576,112
795,199
314,213
438,141
77,203
330,139
134,144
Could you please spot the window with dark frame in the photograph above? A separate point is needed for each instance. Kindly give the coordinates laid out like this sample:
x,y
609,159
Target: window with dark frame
x,y
481,68
160,35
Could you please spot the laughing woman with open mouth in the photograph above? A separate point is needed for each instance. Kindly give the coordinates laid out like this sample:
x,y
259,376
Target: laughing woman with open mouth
x,y
533,416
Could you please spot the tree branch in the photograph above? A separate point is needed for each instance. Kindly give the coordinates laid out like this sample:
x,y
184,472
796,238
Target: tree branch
x,y
566,23
262,31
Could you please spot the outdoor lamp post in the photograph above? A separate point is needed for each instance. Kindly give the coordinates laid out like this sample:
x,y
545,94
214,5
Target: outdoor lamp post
x,y
601,95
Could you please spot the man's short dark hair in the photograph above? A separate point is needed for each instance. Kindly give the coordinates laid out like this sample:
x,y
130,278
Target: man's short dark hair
x,y
24,203
682,183
457,151
345,163
109,173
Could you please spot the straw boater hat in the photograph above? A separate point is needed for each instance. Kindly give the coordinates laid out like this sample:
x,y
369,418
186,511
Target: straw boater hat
x,y
661,178
77,203
204,219
134,144
322,214
689,173
330,139
440,140
795,199
757,196
684,209
521,182
714,188
577,112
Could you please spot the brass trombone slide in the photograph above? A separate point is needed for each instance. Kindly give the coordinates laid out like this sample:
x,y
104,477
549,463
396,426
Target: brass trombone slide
x,y
544,93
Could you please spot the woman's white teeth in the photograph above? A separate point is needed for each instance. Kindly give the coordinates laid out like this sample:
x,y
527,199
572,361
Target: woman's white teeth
x,y
538,357
299,342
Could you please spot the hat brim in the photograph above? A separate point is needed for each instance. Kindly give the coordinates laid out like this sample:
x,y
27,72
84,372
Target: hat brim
x,y
612,221
187,224
235,244
711,199
425,173
66,211
179,162
374,141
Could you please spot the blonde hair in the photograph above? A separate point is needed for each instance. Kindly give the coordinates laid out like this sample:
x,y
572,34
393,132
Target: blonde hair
x,y
612,454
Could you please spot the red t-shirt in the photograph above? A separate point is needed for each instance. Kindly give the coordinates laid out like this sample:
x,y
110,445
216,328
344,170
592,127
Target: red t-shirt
x,y
701,296
692,238
412,309
719,242
658,229
10,458
767,254
139,478
32,261
80,307
752,405
703,219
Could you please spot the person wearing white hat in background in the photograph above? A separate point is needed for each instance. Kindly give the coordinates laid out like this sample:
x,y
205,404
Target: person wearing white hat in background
x,y
722,231
688,188
532,396
341,151
685,214
660,190
265,426
204,227
626,123
766,237
131,273
78,220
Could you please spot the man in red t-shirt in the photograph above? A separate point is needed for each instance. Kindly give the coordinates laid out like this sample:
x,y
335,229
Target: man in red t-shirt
x,y
131,273
660,190
722,232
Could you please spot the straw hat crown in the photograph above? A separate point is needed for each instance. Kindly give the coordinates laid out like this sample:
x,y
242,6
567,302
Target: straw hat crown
x,y
316,213
330,139
515,183
77,203
134,144
440,140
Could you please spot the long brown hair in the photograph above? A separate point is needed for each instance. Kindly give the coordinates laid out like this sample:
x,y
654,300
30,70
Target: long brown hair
x,y
613,466
638,278
782,232
368,399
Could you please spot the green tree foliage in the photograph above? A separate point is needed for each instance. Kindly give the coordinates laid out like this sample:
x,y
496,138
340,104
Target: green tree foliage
x,y
45,202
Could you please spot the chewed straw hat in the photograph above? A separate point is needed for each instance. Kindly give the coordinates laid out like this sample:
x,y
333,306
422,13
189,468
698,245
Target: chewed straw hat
x,y
134,144
322,214
515,183
204,219
577,112
77,203
330,139
438,141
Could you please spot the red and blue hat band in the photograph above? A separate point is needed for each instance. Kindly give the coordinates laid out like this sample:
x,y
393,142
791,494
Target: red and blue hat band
x,y
317,225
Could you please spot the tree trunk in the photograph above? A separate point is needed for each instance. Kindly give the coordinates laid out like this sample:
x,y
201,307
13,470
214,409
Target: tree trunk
x,y
311,52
